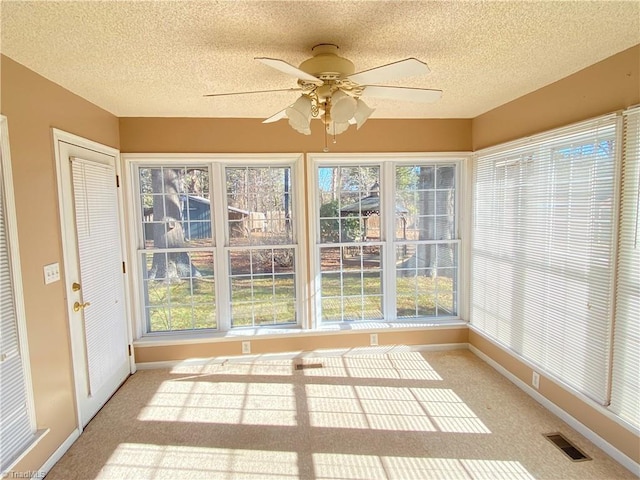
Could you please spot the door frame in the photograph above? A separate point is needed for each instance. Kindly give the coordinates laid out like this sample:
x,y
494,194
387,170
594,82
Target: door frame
x,y
78,357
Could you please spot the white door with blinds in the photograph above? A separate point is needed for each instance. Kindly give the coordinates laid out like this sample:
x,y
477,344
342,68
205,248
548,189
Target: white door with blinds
x,y
17,429
94,272
543,251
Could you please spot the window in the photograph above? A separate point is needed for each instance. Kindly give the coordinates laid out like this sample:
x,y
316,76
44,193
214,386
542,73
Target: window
x,y
17,429
261,250
217,242
386,239
220,245
177,258
542,253
625,391
350,243
426,244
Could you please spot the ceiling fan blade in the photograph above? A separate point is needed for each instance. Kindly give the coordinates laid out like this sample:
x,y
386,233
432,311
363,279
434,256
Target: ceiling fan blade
x,y
289,69
407,94
391,71
254,91
276,116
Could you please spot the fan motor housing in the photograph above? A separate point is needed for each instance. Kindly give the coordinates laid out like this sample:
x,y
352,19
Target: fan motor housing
x,y
326,64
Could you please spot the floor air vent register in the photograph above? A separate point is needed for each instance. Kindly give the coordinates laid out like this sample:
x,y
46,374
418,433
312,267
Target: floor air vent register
x,y
568,448
305,366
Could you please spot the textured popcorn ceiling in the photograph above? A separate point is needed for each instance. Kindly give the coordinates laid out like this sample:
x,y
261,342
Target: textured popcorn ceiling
x,y
157,58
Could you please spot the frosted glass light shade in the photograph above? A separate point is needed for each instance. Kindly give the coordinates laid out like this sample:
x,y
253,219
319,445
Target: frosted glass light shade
x,y
363,111
299,115
343,107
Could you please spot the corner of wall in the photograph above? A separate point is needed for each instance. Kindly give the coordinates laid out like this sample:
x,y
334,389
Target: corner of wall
x,y
588,417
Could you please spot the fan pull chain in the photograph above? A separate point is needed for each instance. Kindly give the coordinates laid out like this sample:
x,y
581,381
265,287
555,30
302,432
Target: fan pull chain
x,y
326,147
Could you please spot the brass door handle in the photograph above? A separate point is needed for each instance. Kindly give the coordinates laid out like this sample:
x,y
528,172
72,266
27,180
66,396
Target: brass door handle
x,y
75,286
79,306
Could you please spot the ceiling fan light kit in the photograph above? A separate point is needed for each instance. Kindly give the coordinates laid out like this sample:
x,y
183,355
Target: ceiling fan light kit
x,y
343,107
331,91
326,64
299,115
363,112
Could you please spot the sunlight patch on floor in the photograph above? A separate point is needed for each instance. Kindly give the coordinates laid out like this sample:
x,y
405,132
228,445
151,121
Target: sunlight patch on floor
x,y
131,460
383,362
390,408
406,366
448,411
331,466
258,366
222,402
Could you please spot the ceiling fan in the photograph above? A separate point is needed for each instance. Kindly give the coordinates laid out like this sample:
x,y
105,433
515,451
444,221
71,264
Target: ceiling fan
x,y
333,93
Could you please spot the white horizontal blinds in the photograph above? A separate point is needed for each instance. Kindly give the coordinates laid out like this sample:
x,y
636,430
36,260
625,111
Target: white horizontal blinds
x,y
100,267
542,250
625,392
15,424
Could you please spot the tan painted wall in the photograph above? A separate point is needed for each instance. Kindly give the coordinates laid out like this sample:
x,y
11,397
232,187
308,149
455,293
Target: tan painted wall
x,y
33,105
245,135
294,343
611,431
607,86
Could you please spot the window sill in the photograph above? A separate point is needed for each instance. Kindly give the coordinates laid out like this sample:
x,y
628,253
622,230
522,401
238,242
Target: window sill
x,y
35,440
293,331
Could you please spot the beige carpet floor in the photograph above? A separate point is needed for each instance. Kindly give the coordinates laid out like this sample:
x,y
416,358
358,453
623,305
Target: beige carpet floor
x,y
368,413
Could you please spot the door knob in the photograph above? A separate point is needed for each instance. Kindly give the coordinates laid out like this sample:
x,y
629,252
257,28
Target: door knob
x,y
79,306
75,286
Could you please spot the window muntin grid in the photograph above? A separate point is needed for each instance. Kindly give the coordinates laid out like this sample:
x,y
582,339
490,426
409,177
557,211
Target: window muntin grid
x,y
187,303
175,206
353,220
351,279
348,197
178,253
262,286
349,220
426,245
177,258
426,287
260,214
259,203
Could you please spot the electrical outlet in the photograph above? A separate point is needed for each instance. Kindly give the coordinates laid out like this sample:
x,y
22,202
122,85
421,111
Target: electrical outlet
x,y
51,273
373,339
246,347
535,380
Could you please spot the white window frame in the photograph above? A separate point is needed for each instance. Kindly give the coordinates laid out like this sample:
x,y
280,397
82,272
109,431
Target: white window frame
x,y
387,162
294,180
13,252
217,164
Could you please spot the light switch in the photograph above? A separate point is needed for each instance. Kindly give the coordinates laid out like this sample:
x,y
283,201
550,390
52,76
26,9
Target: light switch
x,y
51,273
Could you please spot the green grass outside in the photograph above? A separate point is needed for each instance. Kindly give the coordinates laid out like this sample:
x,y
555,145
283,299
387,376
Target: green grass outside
x,y
190,304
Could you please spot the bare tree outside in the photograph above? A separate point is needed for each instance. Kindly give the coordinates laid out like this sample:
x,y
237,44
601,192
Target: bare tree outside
x,y
168,232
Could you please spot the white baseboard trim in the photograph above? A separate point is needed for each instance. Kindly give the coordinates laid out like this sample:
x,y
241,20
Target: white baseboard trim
x,y
329,352
597,440
62,449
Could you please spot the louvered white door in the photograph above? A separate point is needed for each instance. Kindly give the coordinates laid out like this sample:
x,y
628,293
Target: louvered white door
x,y
97,230
94,272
